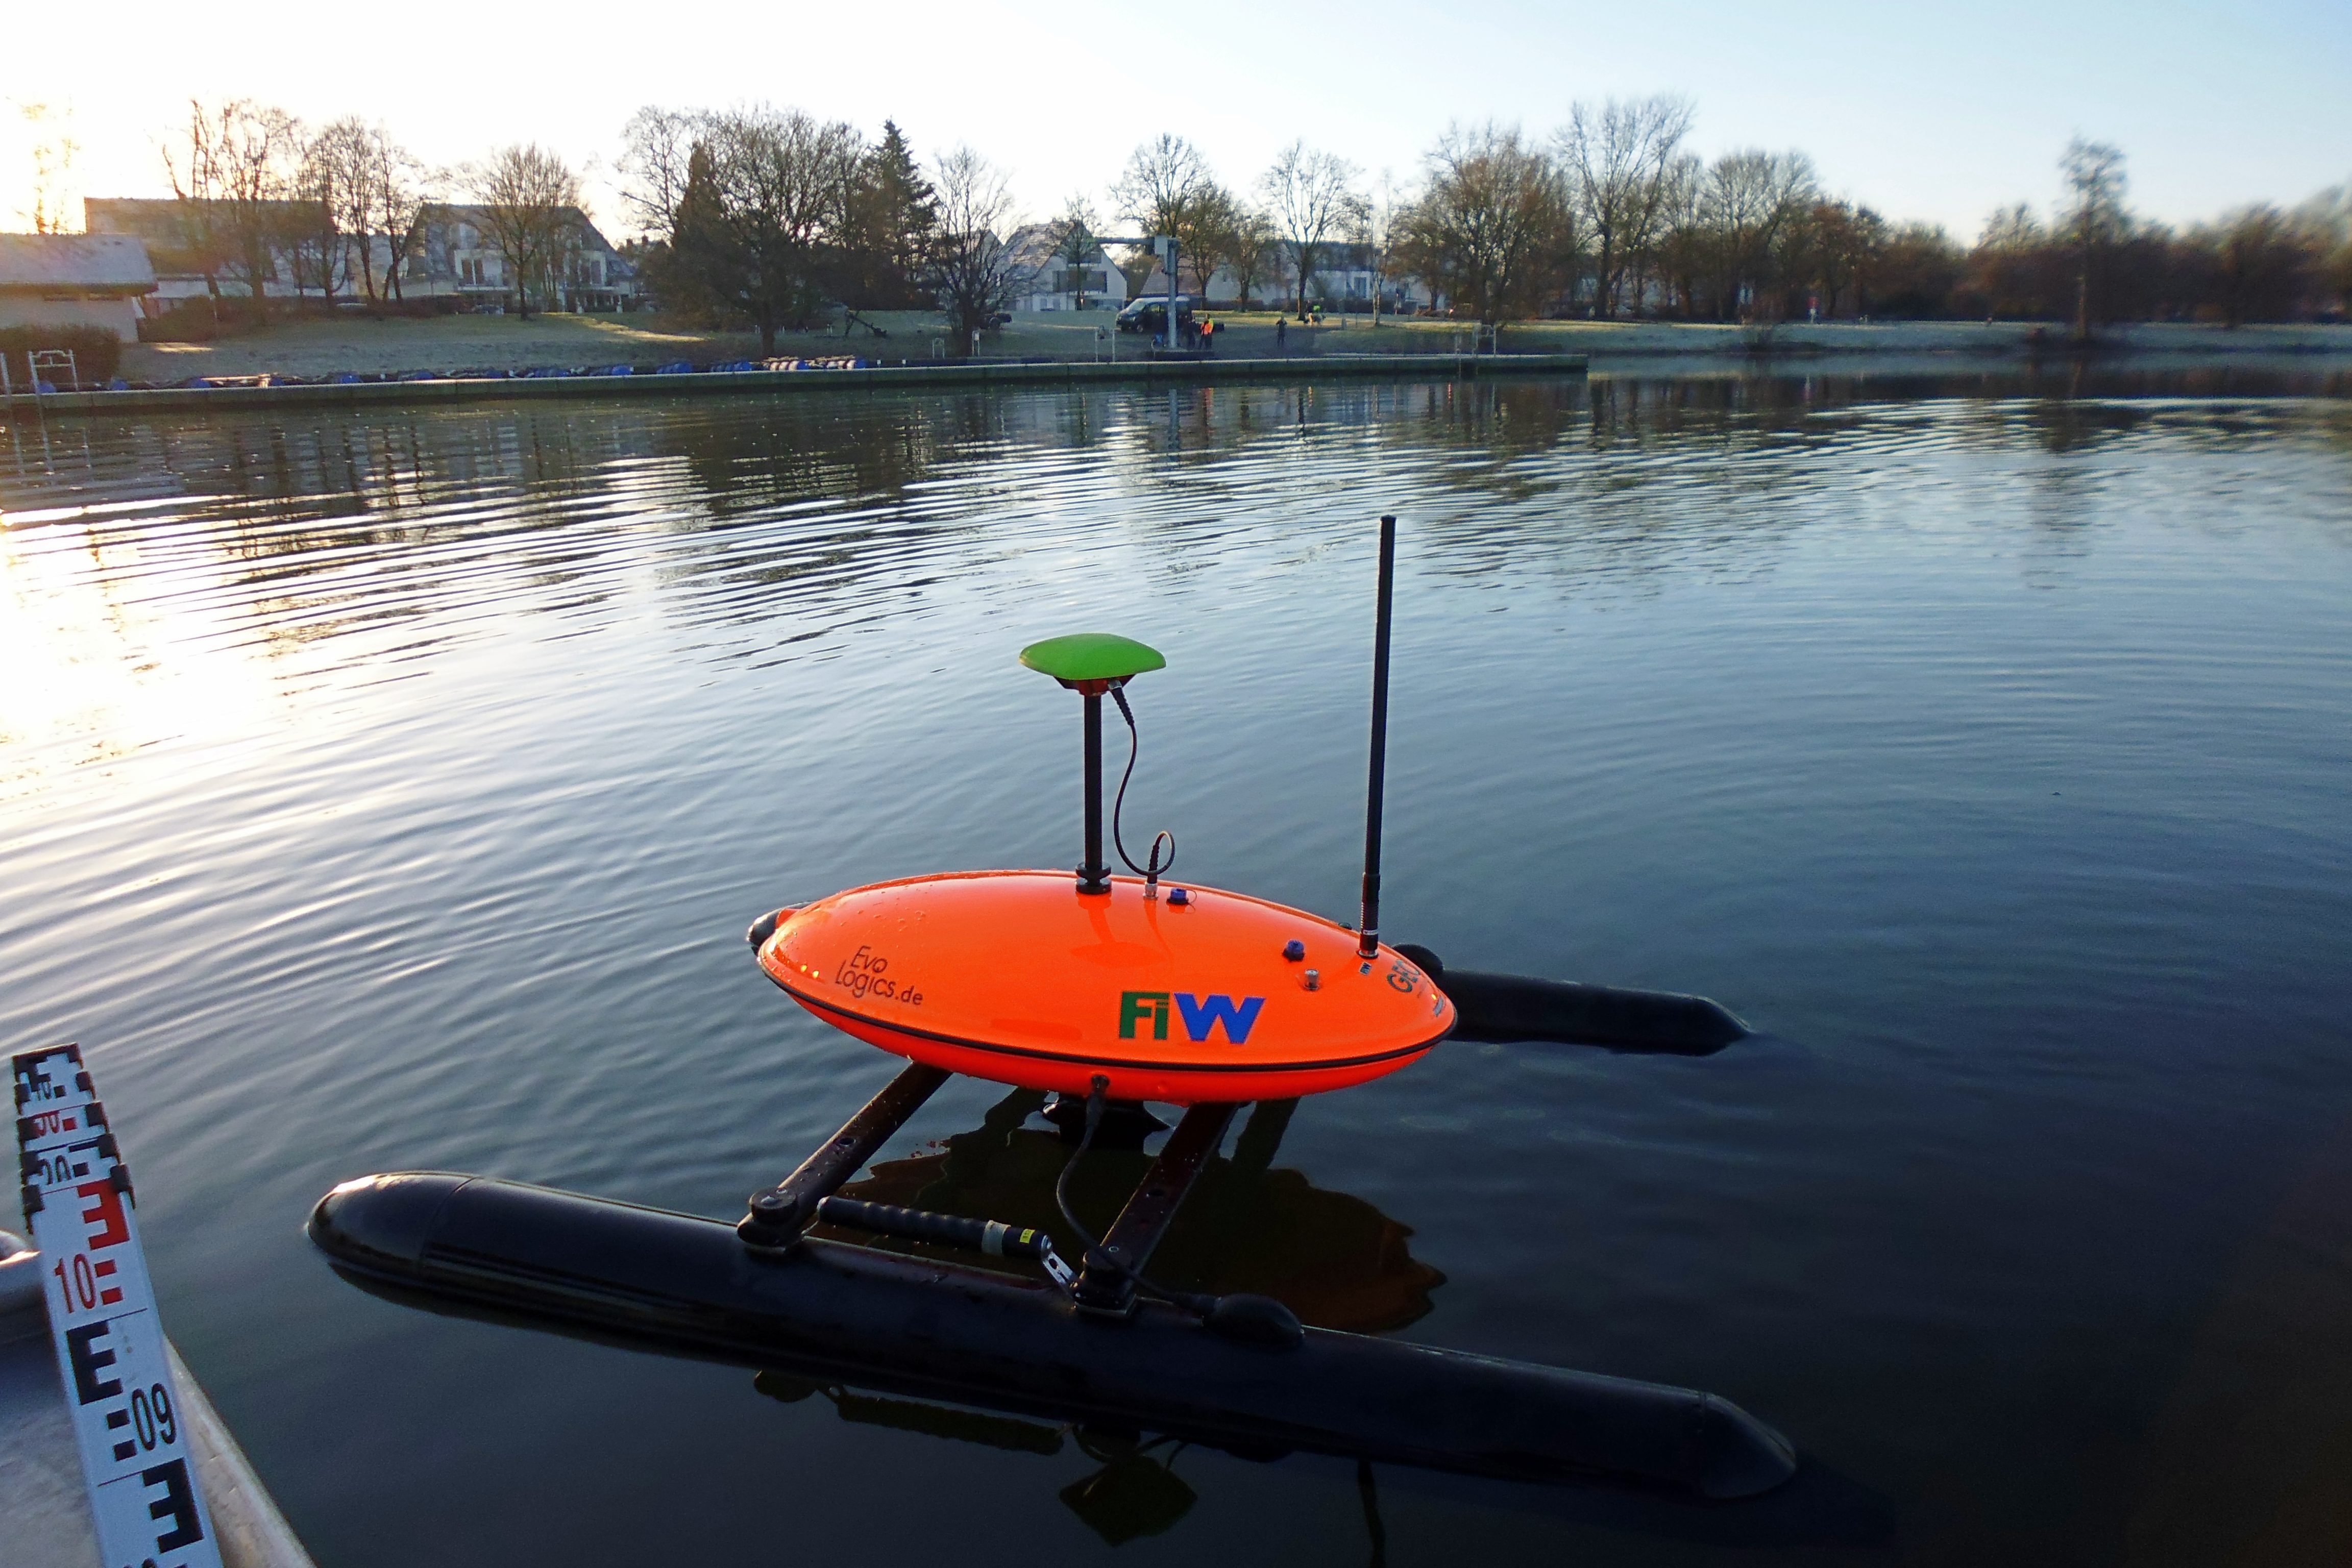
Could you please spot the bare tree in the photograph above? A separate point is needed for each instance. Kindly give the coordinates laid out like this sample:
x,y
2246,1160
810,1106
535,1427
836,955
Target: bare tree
x,y
339,165
1619,159
340,173
783,183
1915,273
1227,236
200,216
1163,179
2262,263
973,270
1833,249
1261,254
2094,221
527,195
238,161
1076,245
1167,188
310,222
1311,197
1678,253
658,143
2328,217
1379,235
402,190
2006,270
1750,202
1232,235
1492,230
53,151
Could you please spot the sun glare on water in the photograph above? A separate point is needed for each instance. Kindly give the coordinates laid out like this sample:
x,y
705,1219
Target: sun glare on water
x,y
100,660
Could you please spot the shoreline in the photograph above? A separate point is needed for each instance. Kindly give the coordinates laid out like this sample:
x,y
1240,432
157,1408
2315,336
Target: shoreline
x,y
463,346
1333,353
695,383
2025,341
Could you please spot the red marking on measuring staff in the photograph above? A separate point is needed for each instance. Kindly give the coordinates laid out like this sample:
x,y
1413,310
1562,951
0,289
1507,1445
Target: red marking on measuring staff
x,y
113,1363
106,1211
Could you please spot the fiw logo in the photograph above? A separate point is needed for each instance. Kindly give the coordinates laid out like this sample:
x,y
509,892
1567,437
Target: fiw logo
x,y
1202,1014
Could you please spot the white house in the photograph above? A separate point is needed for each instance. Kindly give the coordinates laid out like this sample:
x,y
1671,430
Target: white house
x,y
1345,277
1052,281
452,252
448,253
74,280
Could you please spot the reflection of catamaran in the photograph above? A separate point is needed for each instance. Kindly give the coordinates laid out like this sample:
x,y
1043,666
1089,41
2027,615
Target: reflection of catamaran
x,y
1249,1225
1107,991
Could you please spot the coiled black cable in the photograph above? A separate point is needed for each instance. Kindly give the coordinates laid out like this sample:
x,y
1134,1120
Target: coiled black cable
x,y
1098,1098
1151,873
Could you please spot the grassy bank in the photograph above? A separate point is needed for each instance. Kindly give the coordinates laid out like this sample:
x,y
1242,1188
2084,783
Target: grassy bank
x,y
364,346
404,392
392,345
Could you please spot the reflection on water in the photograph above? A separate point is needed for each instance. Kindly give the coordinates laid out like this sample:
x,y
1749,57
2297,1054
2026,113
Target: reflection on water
x,y
165,574
393,793
1335,1261
1135,1492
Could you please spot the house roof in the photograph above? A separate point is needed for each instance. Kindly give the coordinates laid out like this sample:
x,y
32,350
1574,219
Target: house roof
x,y
164,221
161,221
474,213
97,263
1036,248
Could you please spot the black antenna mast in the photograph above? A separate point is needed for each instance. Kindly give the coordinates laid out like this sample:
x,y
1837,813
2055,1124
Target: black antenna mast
x,y
1369,944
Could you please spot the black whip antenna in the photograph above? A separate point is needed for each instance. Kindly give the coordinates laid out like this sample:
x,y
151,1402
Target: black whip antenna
x,y
1369,944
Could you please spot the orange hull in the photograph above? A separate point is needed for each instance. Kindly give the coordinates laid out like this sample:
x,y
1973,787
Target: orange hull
x,y
1015,976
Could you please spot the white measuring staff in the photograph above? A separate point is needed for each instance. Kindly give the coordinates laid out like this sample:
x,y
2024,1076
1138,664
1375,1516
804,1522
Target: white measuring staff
x,y
135,1452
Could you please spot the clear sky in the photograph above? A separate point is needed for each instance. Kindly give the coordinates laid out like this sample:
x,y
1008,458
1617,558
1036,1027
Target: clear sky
x,y
1934,113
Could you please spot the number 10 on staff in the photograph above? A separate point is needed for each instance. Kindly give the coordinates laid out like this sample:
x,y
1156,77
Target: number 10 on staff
x,y
144,1498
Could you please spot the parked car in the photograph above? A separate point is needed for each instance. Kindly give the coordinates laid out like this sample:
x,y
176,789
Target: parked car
x,y
1150,314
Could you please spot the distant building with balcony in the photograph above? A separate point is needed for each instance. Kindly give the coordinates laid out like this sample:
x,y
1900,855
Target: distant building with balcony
x,y
1050,281
453,251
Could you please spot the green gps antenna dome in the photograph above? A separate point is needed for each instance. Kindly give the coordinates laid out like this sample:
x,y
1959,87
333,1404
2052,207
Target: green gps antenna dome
x,y
1091,663
1091,656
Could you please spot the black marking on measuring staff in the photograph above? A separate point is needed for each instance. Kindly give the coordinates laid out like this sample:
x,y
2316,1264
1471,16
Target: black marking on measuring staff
x,y
145,1505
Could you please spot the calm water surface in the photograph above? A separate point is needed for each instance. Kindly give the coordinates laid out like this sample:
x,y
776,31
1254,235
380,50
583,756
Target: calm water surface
x,y
393,794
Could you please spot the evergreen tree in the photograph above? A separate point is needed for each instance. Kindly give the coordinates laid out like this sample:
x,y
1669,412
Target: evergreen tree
x,y
760,217
891,228
694,274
